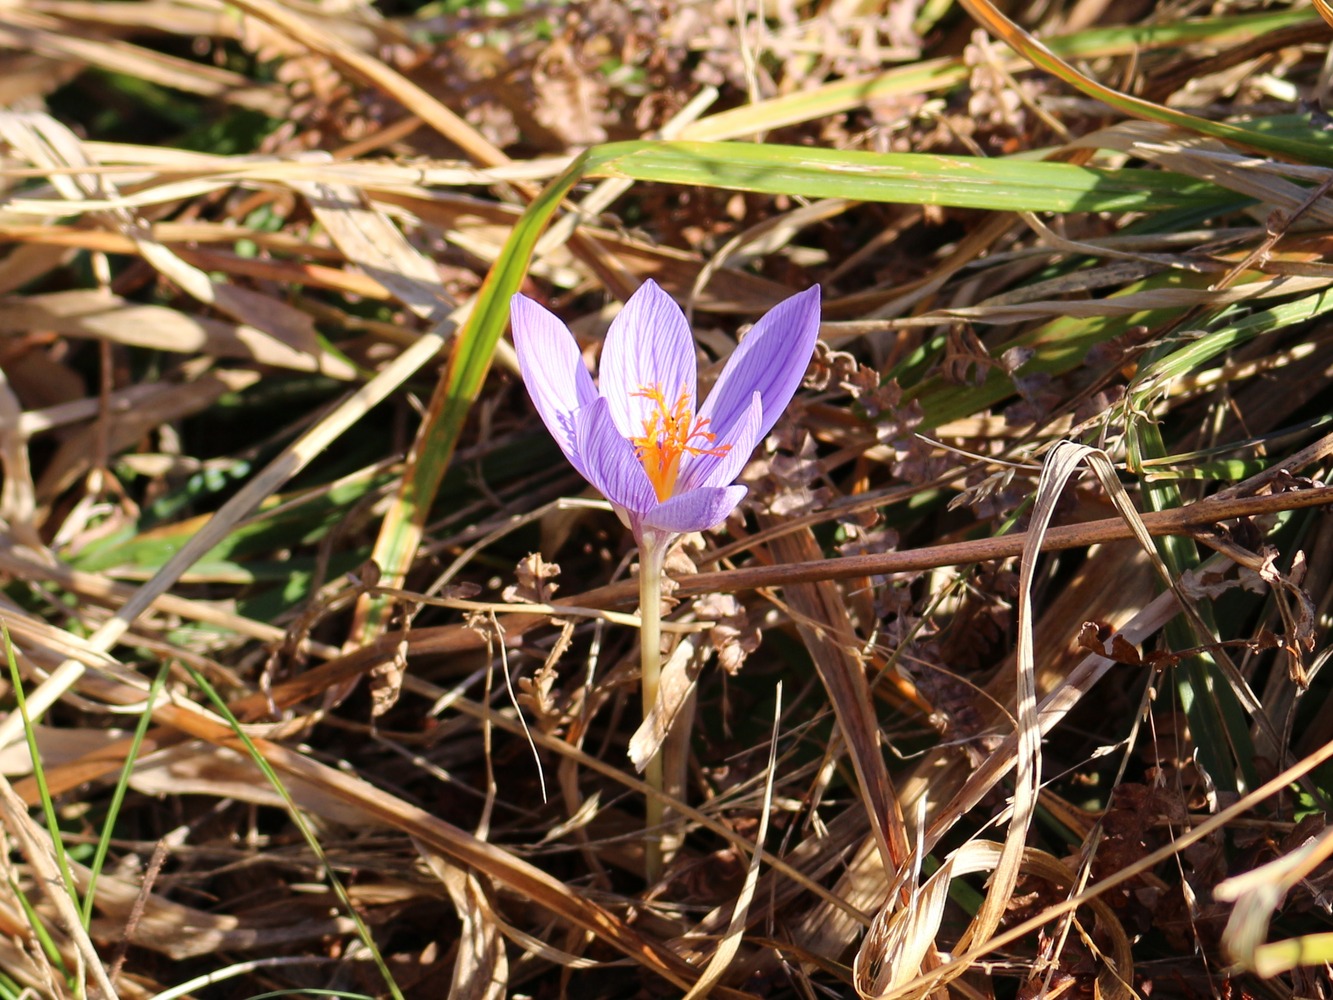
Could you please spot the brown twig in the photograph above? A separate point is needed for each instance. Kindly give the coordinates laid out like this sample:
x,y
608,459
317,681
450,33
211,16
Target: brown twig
x,y
456,639
1068,536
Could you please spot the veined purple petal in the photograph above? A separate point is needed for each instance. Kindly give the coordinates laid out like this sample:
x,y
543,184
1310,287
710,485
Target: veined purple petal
x,y
649,345
697,510
771,361
609,461
718,470
553,371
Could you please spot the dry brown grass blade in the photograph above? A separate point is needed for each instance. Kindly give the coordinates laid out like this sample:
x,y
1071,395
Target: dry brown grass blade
x,y
1060,465
370,241
309,35
901,939
1007,312
1256,896
192,768
679,673
54,149
880,977
29,77
168,401
63,777
481,968
35,844
1209,827
50,640
18,496
92,313
730,944
291,461
180,932
56,746
45,243
23,960
28,30
529,882
827,632
28,263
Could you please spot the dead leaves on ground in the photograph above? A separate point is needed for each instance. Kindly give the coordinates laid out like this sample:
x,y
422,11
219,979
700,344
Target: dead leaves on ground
x,y
340,254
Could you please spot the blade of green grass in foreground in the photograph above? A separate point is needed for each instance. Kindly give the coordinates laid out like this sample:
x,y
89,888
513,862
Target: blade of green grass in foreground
x,y
907,178
911,178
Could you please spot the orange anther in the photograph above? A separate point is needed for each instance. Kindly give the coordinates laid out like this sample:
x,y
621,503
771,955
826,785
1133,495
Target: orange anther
x,y
667,437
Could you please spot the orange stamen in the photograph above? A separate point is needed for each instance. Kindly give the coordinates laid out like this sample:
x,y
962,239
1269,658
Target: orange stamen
x,y
667,436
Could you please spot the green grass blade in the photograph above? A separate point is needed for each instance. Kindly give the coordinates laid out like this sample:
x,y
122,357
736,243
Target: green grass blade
x,y
298,819
1192,356
1059,346
1216,720
118,795
909,178
39,930
401,531
39,776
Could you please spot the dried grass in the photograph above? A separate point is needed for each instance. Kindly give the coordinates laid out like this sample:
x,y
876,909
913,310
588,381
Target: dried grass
x,y
952,718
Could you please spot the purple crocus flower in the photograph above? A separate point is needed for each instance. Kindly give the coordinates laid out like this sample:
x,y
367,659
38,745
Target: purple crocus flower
x,y
666,465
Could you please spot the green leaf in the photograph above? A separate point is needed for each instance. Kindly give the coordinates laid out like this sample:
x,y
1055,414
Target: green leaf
x,y
911,178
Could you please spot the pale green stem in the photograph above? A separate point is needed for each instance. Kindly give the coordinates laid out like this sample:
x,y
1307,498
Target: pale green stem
x,y
652,556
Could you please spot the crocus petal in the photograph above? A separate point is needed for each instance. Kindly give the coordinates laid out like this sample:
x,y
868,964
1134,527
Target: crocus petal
x,y
649,345
697,510
553,371
771,361
718,470
609,461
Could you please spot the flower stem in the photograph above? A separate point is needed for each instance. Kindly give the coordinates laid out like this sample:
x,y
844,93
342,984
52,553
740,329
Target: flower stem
x,y
652,557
